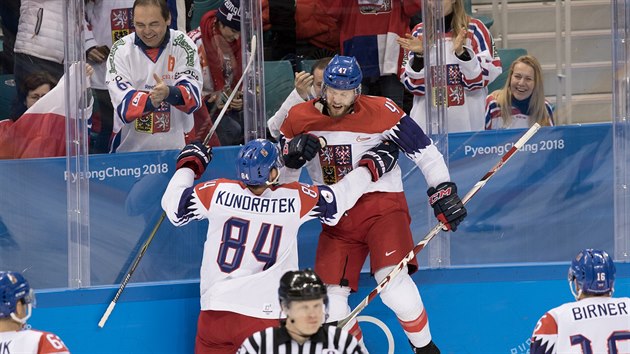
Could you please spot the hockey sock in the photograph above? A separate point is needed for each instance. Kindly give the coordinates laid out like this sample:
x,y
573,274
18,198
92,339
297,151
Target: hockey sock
x,y
402,297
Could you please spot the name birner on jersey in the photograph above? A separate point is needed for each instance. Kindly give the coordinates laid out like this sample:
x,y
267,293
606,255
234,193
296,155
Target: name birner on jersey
x,y
255,204
599,310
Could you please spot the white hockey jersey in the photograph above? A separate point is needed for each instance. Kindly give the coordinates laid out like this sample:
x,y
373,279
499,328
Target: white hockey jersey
x,y
597,325
466,81
30,341
130,69
109,21
252,240
373,120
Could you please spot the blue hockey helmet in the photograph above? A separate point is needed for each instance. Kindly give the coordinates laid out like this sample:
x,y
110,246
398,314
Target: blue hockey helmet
x,y
301,285
13,288
255,161
594,272
343,73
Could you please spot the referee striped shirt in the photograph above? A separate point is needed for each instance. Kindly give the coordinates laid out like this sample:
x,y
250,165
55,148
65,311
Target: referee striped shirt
x,y
276,340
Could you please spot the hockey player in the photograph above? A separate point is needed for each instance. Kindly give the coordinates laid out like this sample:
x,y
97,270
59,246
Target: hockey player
x,y
379,222
252,231
16,302
596,322
303,299
154,79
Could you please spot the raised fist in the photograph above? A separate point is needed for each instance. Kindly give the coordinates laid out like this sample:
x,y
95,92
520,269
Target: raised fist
x,y
195,156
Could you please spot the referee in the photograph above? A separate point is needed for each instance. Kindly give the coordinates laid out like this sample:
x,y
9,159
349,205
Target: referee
x,y
303,299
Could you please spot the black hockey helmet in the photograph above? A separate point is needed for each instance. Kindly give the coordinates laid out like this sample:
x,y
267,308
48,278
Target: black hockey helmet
x,y
301,285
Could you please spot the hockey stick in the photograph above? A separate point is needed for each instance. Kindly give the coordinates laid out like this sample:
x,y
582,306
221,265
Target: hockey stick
x,y
379,288
136,261
146,243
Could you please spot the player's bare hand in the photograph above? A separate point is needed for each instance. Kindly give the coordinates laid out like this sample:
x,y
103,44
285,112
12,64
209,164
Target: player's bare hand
x,y
159,92
303,83
411,43
458,42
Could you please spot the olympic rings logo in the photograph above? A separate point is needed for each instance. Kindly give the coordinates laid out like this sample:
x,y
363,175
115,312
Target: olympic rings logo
x,y
380,324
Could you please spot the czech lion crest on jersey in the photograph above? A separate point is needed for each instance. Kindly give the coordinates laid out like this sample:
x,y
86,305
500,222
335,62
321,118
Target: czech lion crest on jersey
x,y
336,162
454,89
158,121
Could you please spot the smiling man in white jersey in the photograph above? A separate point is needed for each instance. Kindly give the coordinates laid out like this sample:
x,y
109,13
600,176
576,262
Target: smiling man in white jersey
x,y
252,232
154,80
596,322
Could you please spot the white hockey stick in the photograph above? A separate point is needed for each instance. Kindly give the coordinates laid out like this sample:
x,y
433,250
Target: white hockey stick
x,y
252,55
379,288
146,243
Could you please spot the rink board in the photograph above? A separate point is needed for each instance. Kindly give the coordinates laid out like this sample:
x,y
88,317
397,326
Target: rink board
x,y
471,310
553,197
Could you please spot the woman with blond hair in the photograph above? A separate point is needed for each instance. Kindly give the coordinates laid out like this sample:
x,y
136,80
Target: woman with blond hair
x,y
521,102
471,62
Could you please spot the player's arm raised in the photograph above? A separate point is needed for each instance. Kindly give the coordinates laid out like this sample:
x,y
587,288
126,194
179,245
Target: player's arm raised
x,y
447,205
177,200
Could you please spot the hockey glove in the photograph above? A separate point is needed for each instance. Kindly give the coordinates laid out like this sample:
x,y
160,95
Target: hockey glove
x,y
195,156
301,148
380,159
447,206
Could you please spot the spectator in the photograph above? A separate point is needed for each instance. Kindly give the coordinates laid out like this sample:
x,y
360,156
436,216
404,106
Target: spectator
x,y
596,322
369,30
219,47
154,80
303,299
471,64
252,233
521,102
15,309
307,87
379,222
39,43
108,21
36,85
41,130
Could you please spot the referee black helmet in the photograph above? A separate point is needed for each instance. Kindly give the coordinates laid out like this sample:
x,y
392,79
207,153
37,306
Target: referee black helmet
x,y
301,285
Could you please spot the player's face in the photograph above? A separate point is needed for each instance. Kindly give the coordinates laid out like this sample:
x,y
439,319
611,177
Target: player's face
x,y
150,26
339,102
307,316
228,33
522,81
34,95
318,80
